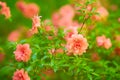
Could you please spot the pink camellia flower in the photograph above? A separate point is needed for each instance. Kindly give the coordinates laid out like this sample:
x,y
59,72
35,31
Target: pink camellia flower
x,y
5,10
36,21
31,10
48,28
64,22
21,6
107,43
35,24
102,14
23,52
28,10
100,40
89,7
64,17
14,36
103,41
67,11
77,44
21,75
69,31
55,19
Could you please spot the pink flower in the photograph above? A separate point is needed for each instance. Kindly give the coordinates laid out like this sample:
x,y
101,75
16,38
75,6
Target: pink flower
x,y
28,10
14,36
67,11
89,7
102,14
69,31
63,18
55,19
21,6
48,28
23,52
31,10
5,10
36,21
104,42
77,44
64,22
35,24
21,75
107,43
100,40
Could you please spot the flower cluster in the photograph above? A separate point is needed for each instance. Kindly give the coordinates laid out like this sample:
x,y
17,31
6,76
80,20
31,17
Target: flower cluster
x,y
104,42
28,10
5,10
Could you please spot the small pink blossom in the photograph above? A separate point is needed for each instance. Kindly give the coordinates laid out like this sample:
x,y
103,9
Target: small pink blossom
x,y
67,11
107,43
28,10
89,7
69,31
23,52
14,36
64,22
21,75
35,24
55,19
77,44
64,17
102,14
100,40
36,21
5,10
48,28
103,41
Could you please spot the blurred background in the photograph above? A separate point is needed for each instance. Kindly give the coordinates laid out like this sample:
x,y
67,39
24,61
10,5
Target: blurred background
x,y
46,9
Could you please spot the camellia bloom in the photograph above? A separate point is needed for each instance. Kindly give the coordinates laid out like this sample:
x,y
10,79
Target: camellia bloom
x,y
77,44
102,14
28,10
35,24
103,41
70,31
14,36
5,10
64,17
21,75
67,11
23,52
